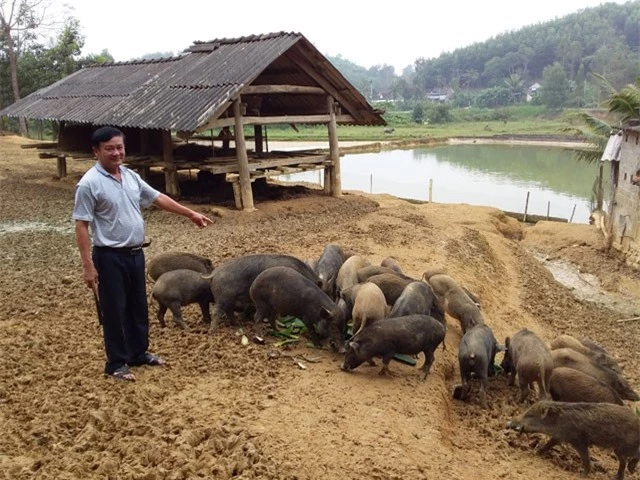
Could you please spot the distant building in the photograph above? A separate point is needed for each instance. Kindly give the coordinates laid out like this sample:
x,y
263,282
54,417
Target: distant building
x,y
532,90
438,95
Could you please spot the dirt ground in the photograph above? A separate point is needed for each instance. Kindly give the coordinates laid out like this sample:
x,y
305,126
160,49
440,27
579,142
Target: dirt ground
x,y
224,410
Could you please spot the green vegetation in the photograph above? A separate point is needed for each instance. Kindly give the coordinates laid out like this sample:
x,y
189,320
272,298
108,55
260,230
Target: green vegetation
x,y
469,122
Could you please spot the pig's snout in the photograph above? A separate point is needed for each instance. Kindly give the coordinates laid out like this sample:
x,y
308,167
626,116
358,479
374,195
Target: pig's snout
x,y
345,368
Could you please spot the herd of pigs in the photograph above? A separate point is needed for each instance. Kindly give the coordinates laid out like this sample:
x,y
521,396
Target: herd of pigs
x,y
580,386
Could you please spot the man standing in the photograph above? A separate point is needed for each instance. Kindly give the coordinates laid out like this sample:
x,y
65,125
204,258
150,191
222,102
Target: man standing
x,y
109,197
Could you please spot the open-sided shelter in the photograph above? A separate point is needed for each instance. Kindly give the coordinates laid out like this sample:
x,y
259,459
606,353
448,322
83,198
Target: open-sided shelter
x,y
258,80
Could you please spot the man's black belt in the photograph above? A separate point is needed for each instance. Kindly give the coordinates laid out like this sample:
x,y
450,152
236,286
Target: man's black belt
x,y
126,250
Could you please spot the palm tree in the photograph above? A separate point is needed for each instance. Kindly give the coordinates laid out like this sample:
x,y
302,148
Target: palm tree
x,y
624,105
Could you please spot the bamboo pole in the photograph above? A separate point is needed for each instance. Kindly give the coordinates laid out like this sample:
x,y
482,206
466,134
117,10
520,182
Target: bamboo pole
x,y
371,183
430,189
243,159
334,149
526,207
574,211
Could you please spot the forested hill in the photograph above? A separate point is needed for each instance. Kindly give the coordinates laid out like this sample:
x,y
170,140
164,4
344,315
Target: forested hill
x,y
603,40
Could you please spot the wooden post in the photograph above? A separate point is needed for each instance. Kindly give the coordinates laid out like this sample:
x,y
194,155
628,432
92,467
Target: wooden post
x,y
600,193
62,166
144,141
257,135
327,180
171,183
526,207
334,149
243,159
145,173
430,189
371,183
548,208
574,211
237,195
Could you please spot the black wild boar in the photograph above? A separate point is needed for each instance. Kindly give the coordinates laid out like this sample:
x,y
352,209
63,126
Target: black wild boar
x,y
367,272
569,385
599,357
452,299
391,263
165,262
391,285
417,298
328,266
231,281
476,355
408,335
348,273
566,357
370,306
181,287
585,424
281,291
529,357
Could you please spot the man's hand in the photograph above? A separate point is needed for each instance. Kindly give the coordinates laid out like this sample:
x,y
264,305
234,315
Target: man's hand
x,y
90,275
200,220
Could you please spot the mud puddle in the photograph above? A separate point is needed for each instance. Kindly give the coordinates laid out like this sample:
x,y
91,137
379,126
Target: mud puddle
x,y
8,228
587,287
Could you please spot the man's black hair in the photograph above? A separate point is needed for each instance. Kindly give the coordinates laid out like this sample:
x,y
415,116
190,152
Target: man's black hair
x,y
104,134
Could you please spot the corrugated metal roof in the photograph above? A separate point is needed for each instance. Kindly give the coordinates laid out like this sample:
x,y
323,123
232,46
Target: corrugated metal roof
x,y
179,93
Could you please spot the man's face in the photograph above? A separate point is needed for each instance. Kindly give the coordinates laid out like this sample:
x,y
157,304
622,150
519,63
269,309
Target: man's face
x,y
110,154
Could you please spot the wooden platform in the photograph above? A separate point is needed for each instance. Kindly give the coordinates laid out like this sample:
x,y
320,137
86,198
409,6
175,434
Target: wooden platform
x,y
264,165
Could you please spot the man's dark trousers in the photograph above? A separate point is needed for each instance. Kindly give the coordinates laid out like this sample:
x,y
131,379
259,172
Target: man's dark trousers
x,y
123,300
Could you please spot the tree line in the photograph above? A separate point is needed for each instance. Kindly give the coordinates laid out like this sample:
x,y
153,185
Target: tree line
x,y
562,55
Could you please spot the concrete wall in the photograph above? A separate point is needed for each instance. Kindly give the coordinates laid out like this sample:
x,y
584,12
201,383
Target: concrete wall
x,y
626,210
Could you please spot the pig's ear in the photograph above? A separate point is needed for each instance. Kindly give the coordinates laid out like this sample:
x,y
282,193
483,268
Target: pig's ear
x,y
325,314
354,345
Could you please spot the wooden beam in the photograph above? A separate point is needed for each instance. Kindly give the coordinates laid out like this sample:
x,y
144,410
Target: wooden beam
x,y
281,119
40,145
172,185
310,70
243,160
334,149
268,89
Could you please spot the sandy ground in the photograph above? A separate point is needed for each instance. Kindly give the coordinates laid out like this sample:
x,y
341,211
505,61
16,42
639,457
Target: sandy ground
x,y
223,410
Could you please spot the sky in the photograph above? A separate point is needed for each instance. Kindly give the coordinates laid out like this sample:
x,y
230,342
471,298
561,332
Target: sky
x,y
368,33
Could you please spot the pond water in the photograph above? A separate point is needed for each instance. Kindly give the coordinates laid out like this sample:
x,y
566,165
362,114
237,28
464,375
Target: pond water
x,y
495,175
